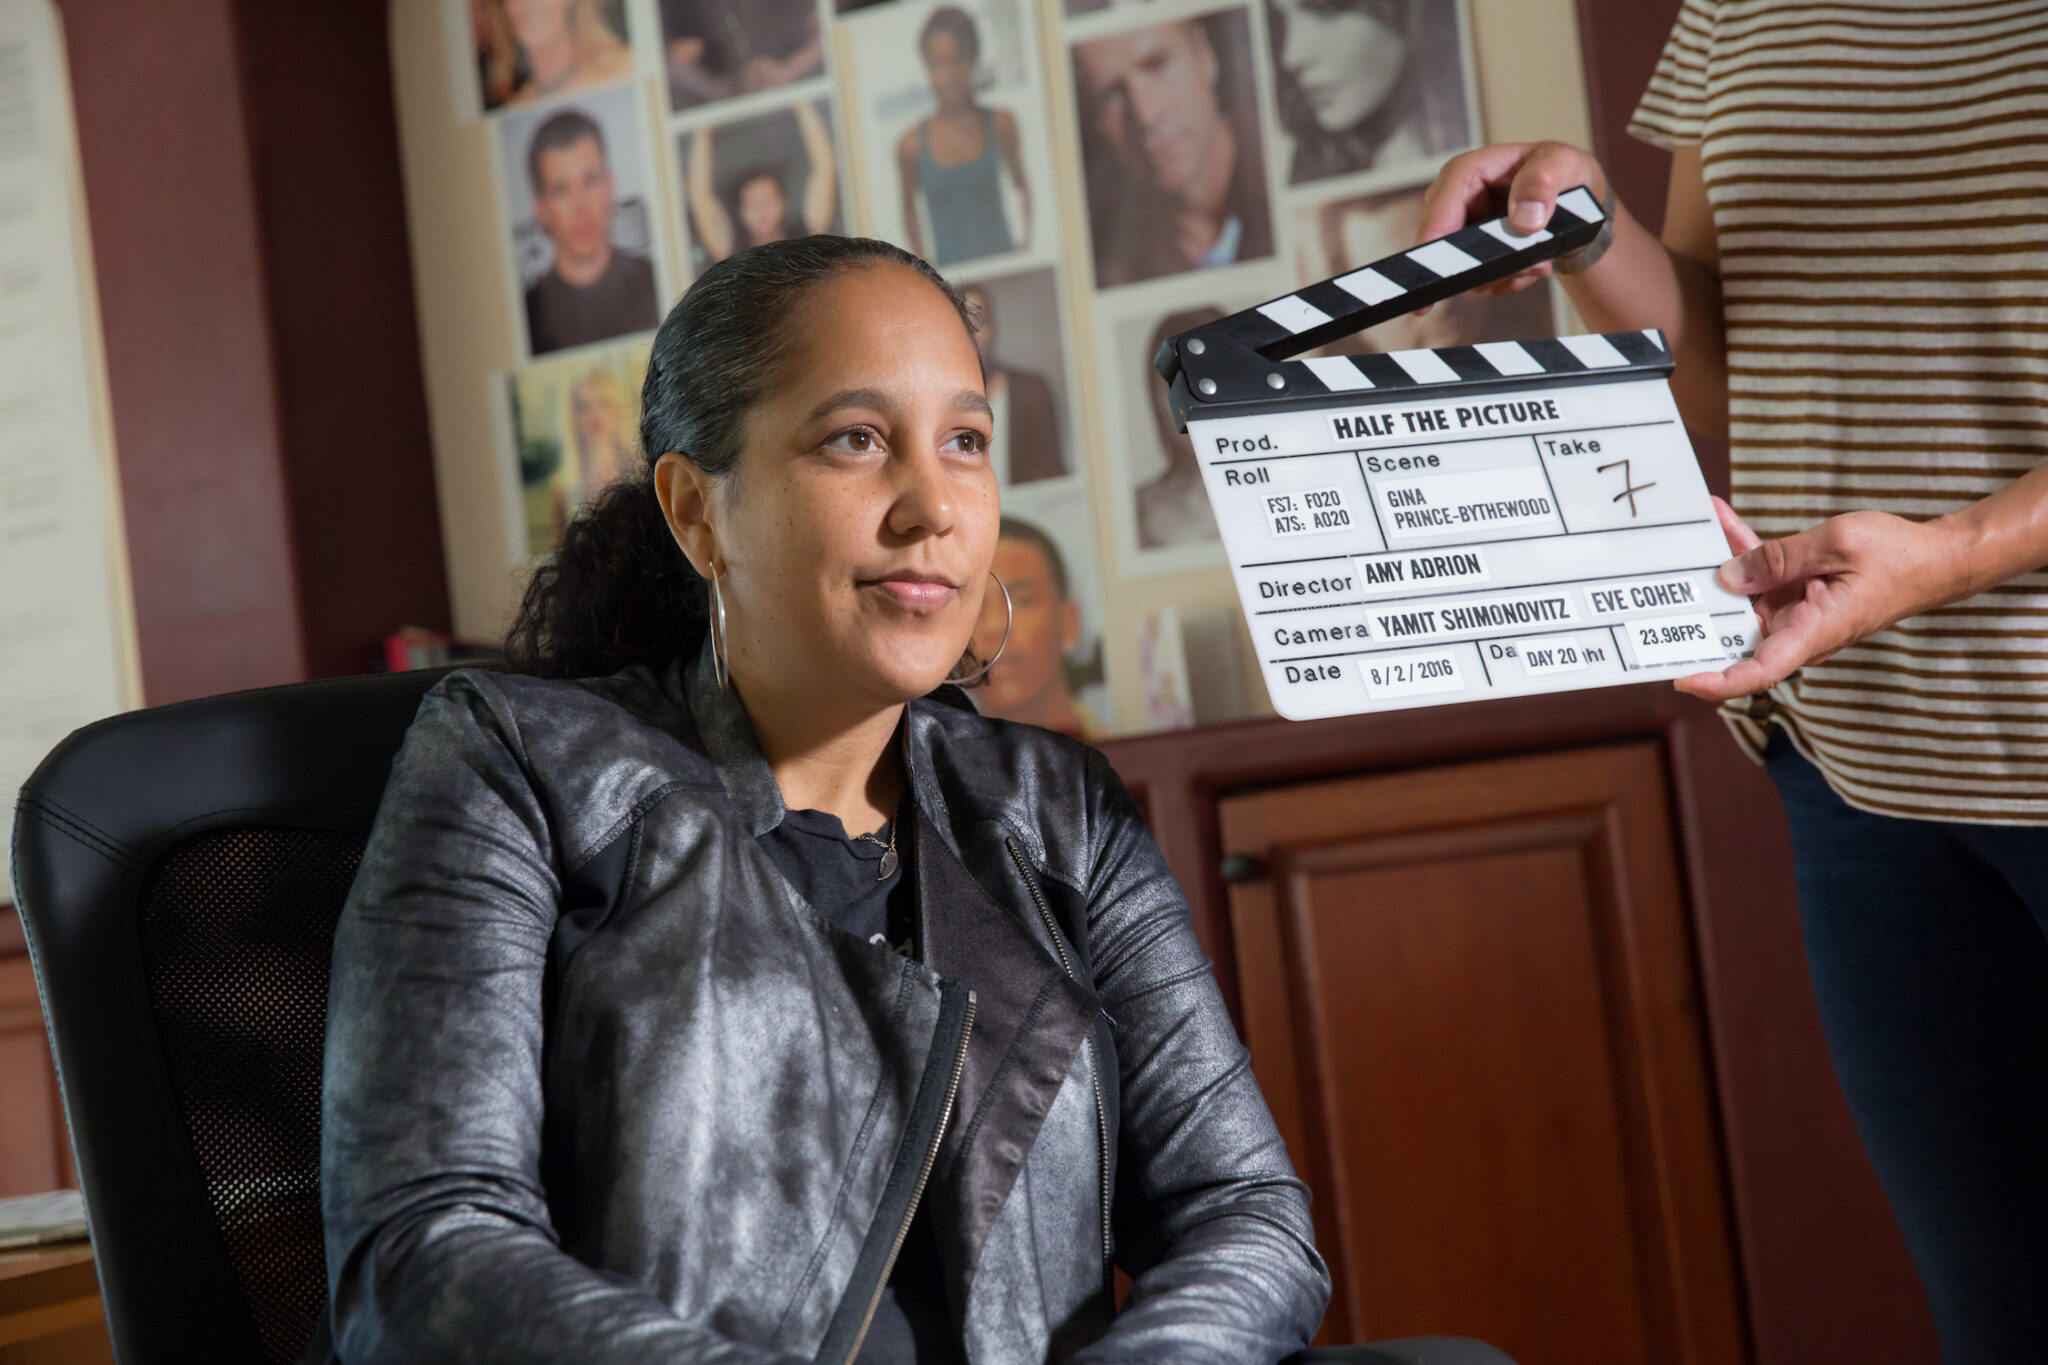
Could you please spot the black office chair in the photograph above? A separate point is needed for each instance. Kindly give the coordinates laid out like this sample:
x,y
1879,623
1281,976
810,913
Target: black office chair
x,y
179,872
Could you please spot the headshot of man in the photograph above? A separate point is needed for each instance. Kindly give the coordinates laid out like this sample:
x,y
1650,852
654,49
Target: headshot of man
x,y
1173,508
1366,83
593,290
1176,176
1027,444
1030,681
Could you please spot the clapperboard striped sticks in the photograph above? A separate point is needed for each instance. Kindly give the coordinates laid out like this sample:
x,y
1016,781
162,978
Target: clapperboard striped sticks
x,y
1243,358
1421,527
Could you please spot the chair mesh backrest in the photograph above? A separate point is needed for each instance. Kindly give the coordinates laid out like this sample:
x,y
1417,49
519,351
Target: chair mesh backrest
x,y
236,927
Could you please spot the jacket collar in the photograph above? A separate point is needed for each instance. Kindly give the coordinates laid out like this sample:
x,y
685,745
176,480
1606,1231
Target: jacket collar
x,y
729,742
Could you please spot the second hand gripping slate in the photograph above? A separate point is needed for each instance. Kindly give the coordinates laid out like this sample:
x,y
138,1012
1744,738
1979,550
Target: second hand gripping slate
x,y
1420,527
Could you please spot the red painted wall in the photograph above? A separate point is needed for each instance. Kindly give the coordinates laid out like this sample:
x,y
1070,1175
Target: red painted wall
x,y
170,193
241,176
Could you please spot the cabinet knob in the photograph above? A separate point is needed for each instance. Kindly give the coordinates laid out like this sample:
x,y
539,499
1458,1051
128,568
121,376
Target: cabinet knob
x,y
1239,868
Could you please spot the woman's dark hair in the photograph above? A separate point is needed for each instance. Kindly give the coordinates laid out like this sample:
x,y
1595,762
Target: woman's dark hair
x,y
618,591
955,23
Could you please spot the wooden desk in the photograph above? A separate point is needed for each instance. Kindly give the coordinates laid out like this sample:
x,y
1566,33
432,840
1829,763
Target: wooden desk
x,y
50,1308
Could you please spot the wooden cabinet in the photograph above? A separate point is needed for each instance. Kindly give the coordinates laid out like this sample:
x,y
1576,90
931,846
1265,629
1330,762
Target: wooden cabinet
x,y
1469,995
1524,983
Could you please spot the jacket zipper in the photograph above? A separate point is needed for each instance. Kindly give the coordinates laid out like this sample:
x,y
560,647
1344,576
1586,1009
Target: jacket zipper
x,y
1094,1068
931,1156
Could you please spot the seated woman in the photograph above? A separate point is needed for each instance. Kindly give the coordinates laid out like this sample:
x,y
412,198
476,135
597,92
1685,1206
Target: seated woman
x,y
633,1055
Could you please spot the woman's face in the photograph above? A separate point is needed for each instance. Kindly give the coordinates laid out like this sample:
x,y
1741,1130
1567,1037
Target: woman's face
x,y
1347,59
762,208
949,69
536,23
855,535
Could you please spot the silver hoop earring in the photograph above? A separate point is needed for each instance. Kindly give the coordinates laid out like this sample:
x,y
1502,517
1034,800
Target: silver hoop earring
x,y
718,664
1009,619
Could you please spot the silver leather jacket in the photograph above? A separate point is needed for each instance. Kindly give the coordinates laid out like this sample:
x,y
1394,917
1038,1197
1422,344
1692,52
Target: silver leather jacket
x,y
600,1087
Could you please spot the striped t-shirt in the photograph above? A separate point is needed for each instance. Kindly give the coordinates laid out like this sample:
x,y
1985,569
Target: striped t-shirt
x,y
1878,173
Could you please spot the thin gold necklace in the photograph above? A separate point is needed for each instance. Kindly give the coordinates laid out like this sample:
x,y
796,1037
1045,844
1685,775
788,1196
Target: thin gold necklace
x,y
889,849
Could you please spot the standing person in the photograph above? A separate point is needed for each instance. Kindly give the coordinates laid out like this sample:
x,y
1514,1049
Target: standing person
x,y
760,209
593,289
1027,424
1856,229
566,45
954,160
1176,179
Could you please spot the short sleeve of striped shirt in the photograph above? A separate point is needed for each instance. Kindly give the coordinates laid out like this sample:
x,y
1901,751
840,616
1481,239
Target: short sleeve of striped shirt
x,y
1674,106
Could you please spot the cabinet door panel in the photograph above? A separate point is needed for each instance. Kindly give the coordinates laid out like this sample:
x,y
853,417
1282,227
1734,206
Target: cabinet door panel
x,y
1469,993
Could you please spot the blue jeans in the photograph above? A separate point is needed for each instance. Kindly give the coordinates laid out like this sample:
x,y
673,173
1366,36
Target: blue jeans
x,y
1928,944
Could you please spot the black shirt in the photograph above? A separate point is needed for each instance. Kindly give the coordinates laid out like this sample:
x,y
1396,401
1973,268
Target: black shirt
x,y
619,301
841,878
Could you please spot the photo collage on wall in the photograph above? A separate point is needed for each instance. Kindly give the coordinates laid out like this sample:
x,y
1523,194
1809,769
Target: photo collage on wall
x,y
1220,152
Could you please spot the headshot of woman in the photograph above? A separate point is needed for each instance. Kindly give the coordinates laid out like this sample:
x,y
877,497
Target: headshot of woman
x,y
531,49
599,418
951,165
1367,83
757,207
718,984
601,414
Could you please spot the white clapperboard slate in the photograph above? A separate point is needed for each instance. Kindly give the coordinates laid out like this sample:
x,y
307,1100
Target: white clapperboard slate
x,y
1422,527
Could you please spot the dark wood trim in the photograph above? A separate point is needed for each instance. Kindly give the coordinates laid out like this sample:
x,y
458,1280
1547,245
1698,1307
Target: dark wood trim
x,y
337,264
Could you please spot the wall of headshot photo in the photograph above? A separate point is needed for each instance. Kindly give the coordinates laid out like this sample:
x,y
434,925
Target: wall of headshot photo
x,y
571,425
1163,520
764,177
713,50
1094,175
516,52
1024,349
958,163
1052,671
1173,153
581,220
1368,85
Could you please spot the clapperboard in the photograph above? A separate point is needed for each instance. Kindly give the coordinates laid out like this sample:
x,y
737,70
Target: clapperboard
x,y
1420,527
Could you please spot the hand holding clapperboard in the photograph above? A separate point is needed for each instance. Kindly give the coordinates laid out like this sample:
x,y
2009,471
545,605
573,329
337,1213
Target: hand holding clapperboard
x,y
1435,526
